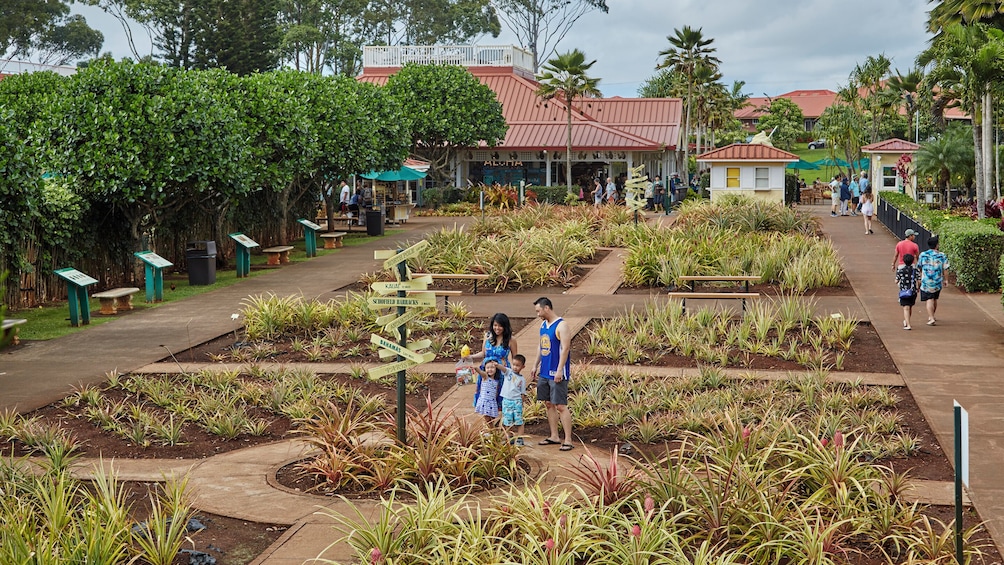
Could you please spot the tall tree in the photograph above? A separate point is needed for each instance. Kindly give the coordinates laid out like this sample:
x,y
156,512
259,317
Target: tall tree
x,y
689,49
665,83
43,31
970,60
321,35
842,126
907,86
540,25
870,76
427,22
565,76
787,117
447,108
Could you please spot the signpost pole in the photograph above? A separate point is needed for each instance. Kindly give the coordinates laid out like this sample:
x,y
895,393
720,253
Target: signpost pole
x,y
402,332
959,476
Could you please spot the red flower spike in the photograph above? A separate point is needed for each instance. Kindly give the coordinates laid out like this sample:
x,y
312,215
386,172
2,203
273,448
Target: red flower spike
x,y
636,531
746,432
838,440
649,505
824,442
549,544
376,556
563,521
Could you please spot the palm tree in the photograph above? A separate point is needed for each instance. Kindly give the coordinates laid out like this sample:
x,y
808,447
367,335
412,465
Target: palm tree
x,y
689,50
968,59
949,154
951,12
565,75
907,86
869,76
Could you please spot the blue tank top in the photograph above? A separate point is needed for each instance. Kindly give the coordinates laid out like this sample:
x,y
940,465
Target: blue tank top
x,y
550,351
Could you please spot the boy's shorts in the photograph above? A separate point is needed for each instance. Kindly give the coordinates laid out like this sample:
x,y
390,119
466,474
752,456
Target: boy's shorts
x,y
512,412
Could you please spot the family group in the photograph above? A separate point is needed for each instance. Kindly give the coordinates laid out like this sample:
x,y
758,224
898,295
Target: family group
x,y
501,387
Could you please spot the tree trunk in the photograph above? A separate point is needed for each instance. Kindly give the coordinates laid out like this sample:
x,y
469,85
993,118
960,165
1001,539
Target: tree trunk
x,y
988,154
978,153
568,149
686,136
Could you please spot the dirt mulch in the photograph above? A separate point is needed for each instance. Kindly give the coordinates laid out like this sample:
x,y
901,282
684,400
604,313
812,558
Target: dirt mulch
x,y
867,355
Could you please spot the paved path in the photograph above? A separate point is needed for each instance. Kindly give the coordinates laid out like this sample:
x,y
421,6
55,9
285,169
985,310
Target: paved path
x,y
967,343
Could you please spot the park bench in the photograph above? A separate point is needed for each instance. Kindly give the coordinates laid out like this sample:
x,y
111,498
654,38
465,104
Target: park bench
x,y
278,255
744,279
9,329
460,277
333,240
115,299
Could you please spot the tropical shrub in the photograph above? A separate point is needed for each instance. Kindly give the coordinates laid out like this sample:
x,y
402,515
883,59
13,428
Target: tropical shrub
x,y
974,250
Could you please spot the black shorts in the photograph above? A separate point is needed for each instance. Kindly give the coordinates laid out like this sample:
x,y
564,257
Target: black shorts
x,y
550,391
925,296
854,200
909,301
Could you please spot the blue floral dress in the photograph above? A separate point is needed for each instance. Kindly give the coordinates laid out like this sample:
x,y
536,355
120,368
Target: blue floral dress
x,y
501,353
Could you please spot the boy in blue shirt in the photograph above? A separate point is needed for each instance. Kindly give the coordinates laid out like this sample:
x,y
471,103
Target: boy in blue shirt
x,y
513,391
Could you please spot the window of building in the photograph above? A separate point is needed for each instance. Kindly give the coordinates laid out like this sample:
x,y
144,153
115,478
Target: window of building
x,y
889,178
761,177
732,177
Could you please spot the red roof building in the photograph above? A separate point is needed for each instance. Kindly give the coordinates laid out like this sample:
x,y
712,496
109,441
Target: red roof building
x,y
749,169
609,135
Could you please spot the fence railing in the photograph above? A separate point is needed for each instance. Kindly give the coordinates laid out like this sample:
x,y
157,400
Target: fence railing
x,y
898,222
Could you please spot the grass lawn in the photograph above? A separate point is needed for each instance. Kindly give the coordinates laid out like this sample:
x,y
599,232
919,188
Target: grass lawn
x,y
824,174
52,320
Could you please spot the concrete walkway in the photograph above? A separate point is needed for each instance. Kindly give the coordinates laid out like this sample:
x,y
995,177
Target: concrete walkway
x,y
238,484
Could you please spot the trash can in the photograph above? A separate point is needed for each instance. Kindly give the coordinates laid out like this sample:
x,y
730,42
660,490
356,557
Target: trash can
x,y
201,259
374,221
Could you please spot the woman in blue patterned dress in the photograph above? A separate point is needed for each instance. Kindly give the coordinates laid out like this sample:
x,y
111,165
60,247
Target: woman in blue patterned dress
x,y
499,345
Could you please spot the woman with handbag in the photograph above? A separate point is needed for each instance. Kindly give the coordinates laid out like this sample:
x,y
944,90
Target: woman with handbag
x,y
908,280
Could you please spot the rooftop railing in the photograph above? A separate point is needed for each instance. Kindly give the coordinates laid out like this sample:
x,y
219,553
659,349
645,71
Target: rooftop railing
x,y
462,55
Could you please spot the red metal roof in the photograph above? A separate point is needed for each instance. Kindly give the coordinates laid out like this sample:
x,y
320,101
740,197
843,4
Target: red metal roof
x,y
894,145
646,124
747,152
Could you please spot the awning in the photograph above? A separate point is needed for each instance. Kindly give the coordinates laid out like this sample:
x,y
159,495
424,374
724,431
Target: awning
x,y
404,173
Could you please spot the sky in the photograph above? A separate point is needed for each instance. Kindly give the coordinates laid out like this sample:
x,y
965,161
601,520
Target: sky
x,y
776,46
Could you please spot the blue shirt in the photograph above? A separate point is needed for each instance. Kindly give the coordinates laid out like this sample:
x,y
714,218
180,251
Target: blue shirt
x,y
932,270
550,351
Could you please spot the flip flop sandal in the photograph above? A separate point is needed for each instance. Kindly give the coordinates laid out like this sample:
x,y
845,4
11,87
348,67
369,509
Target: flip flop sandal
x,y
566,447
548,441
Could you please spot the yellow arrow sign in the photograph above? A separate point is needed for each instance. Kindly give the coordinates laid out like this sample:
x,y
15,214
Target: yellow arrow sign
x,y
392,321
417,283
377,372
412,251
423,299
388,344
385,353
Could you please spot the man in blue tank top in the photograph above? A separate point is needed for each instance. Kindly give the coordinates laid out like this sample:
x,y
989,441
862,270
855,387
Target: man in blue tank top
x,y
552,371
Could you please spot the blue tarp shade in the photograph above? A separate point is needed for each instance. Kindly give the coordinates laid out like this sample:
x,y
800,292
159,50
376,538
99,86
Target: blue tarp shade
x,y
404,173
828,162
802,164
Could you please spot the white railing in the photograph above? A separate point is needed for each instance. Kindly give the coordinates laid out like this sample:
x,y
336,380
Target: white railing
x,y
462,55
12,67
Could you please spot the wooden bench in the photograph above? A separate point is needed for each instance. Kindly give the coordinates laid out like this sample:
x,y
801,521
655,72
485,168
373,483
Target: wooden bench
x,y
115,299
714,296
460,277
333,240
745,279
9,329
278,255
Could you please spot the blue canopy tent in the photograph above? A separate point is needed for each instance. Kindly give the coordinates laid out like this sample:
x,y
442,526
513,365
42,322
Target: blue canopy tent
x,y
803,165
404,173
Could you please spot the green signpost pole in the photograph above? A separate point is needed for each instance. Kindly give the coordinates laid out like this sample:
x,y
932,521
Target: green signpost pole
x,y
402,332
959,463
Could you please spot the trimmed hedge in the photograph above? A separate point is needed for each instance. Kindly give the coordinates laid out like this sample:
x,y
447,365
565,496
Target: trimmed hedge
x,y
974,252
555,194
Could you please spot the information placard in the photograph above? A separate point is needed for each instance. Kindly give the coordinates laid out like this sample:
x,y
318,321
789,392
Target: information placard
x,y
244,240
308,224
154,260
80,279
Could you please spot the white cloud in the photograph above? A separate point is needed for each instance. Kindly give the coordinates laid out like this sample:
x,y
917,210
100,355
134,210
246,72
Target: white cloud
x,y
774,46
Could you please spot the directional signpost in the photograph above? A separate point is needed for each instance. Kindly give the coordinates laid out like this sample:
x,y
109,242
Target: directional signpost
x,y
635,187
408,307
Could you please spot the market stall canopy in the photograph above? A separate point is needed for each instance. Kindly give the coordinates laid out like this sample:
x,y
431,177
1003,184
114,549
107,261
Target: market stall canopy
x,y
802,164
404,173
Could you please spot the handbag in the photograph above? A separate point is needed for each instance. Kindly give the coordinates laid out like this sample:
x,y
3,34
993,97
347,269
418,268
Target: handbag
x,y
907,293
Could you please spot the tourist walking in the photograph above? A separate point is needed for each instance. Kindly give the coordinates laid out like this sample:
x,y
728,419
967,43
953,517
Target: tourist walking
x,y
597,193
908,245
908,279
834,195
611,191
845,195
867,210
552,372
855,196
863,184
931,265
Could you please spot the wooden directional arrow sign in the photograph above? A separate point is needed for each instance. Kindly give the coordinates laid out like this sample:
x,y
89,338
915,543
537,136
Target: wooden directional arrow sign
x,y
412,251
417,283
422,299
385,353
397,349
393,321
377,372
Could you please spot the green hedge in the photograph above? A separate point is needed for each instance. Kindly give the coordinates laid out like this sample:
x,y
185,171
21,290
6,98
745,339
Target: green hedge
x,y
920,211
554,194
974,252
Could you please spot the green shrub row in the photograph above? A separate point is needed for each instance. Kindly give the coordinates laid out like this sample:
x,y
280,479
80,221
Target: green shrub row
x,y
553,194
974,248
